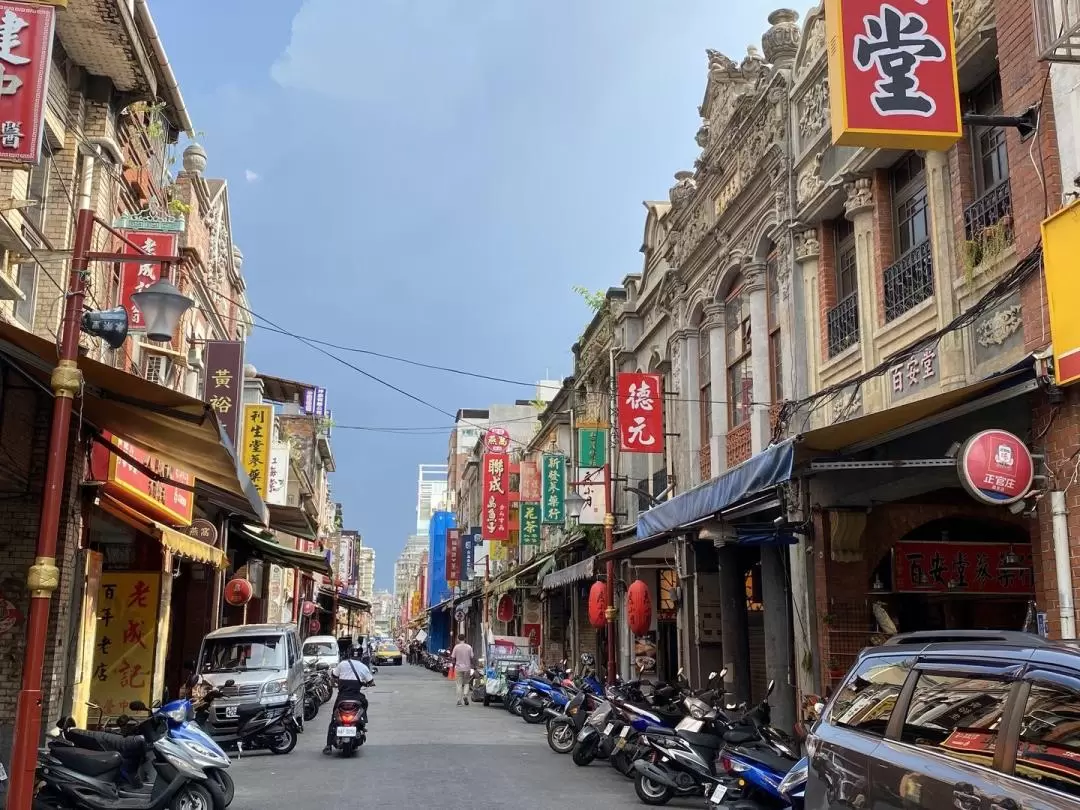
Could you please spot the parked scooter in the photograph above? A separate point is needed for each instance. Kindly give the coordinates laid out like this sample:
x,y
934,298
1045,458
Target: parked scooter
x,y
255,725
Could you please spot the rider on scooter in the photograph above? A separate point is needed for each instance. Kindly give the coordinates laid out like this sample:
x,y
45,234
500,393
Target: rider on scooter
x,y
350,674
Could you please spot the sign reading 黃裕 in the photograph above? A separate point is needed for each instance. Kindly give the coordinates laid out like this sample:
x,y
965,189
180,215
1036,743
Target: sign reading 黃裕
x,y
892,74
996,467
255,449
26,38
224,361
496,496
641,413
137,276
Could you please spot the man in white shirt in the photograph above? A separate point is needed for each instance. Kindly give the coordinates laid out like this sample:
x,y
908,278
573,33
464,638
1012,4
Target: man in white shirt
x,y
351,675
462,656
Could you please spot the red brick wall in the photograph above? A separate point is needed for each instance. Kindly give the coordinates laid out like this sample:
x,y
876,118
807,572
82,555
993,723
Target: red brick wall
x,y
962,188
826,281
884,238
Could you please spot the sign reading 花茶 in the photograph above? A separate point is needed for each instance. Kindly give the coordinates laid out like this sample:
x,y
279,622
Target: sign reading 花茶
x,y
530,524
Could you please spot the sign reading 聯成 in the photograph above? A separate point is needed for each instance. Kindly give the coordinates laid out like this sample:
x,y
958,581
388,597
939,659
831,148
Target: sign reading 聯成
x,y
496,496
224,360
553,483
127,613
26,39
892,74
996,467
641,413
258,430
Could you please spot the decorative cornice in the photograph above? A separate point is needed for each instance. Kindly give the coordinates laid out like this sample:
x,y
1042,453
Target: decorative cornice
x,y
860,196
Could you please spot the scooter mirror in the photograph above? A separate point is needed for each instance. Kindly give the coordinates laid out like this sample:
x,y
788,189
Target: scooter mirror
x,y
138,706
772,685
681,673
819,708
723,672
712,676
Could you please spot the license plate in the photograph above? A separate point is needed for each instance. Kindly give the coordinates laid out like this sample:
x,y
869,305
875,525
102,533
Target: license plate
x,y
346,731
620,744
232,711
583,735
608,728
689,724
624,732
718,794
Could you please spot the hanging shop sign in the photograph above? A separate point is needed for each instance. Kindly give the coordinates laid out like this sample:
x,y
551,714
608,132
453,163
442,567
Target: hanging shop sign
x,y
238,591
314,626
592,446
532,633
639,611
224,361
962,568
1060,247
496,493
598,604
453,556
26,38
641,413
504,612
529,489
553,482
204,531
277,487
468,556
530,524
315,401
591,487
498,550
460,612
497,440
892,74
136,276
125,638
255,449
309,608
173,505
996,467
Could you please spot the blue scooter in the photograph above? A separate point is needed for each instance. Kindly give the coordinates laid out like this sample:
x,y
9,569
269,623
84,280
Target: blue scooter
x,y
180,715
541,695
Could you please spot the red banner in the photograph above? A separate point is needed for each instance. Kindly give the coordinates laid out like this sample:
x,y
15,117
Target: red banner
x,y
26,37
137,276
529,482
641,413
453,555
126,482
962,567
496,494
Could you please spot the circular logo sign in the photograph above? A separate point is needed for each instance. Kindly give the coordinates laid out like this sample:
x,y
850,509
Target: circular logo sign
x,y
497,440
238,591
460,613
996,467
314,626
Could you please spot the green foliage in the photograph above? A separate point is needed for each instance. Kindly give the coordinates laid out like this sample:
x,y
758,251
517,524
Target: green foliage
x,y
178,208
594,300
594,538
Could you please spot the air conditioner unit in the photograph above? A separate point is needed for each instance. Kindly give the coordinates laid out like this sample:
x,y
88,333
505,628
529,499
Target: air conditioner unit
x,y
157,368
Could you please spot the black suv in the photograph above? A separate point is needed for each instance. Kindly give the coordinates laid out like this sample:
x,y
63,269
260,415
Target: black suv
x,y
977,720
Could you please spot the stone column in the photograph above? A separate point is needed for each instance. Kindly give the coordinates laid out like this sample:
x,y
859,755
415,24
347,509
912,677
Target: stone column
x,y
779,666
760,432
859,208
687,349
808,255
943,253
734,624
714,325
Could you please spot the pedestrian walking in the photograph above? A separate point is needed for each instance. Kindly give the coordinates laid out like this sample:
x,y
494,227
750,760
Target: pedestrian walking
x,y
462,656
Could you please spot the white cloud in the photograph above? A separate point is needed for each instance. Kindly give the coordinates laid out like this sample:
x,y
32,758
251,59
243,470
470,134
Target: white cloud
x,y
250,176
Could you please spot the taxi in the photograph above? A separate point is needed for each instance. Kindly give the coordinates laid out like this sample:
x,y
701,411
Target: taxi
x,y
387,652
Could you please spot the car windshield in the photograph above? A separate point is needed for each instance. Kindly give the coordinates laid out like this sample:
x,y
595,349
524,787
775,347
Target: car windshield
x,y
243,654
387,647
320,648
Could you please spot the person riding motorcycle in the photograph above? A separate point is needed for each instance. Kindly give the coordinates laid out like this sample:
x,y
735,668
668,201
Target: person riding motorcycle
x,y
350,674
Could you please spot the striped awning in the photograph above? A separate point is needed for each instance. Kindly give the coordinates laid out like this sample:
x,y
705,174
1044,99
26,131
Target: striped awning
x,y
572,573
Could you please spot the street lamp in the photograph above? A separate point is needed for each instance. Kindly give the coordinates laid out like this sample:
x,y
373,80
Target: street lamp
x,y
161,305
574,504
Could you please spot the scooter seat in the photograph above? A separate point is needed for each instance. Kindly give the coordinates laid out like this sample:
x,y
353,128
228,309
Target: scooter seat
x,y
702,740
766,756
659,731
128,747
90,763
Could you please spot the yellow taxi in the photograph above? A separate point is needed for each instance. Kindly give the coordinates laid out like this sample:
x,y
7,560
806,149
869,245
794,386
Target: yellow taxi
x,y
387,652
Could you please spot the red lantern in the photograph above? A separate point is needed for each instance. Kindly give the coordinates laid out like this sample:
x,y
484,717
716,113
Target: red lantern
x,y
638,608
505,610
598,604
314,626
238,591
309,608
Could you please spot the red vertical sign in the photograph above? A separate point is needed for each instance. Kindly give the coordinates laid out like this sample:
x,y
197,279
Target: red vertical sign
x,y
496,495
137,276
531,491
26,37
641,413
453,555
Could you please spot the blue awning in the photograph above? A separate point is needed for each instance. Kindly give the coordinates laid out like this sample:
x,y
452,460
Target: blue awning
x,y
764,536
766,469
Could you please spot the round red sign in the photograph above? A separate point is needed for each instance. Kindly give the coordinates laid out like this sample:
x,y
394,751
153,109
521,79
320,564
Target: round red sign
x,y
996,467
238,591
497,440
314,626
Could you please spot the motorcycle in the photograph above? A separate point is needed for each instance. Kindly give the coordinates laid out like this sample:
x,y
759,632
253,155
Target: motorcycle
x,y
254,725
477,684
563,725
350,722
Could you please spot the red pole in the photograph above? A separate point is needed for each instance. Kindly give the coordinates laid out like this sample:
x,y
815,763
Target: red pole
x,y
44,575
609,544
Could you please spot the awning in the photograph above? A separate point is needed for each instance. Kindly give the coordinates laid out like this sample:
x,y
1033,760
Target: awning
x,y
446,604
346,600
764,536
175,541
282,555
292,520
628,548
766,469
177,428
571,574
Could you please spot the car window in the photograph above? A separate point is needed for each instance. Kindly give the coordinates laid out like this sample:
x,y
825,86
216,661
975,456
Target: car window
x,y
956,715
865,702
320,648
1049,749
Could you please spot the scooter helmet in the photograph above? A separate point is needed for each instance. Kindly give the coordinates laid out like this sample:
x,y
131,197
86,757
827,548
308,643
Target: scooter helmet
x,y
588,660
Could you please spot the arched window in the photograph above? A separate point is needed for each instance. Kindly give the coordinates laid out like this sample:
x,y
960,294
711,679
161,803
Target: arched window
x,y
739,360
776,363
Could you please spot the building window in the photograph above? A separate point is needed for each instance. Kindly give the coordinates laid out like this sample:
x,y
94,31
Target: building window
x,y
843,319
38,189
776,356
26,279
847,279
988,153
739,361
705,401
910,279
988,220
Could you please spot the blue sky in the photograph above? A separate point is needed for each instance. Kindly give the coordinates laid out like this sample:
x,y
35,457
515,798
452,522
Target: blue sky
x,y
430,178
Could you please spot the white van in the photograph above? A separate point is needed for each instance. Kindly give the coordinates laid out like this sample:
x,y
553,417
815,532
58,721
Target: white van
x,y
321,650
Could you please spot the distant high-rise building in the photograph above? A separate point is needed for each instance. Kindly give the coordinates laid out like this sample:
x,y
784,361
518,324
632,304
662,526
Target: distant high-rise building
x,y
430,494
365,571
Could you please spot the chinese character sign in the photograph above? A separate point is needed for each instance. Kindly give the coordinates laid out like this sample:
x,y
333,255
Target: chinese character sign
x,y
530,524
26,37
593,489
224,361
255,448
892,74
962,567
996,467
529,481
468,556
496,496
592,447
553,482
641,413
137,276
127,613
315,401
173,503
277,489
453,555
497,440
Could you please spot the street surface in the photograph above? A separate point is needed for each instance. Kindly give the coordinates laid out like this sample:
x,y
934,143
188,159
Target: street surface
x,y
423,751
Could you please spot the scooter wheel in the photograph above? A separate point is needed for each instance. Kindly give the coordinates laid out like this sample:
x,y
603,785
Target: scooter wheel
x,y
532,716
583,755
225,782
283,743
311,711
487,701
560,738
651,792
192,796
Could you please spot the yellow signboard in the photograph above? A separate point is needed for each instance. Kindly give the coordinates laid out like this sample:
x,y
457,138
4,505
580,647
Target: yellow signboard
x,y
127,612
1061,246
497,550
255,445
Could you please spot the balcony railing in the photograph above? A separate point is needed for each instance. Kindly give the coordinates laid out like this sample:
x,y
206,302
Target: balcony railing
x,y
844,324
909,281
989,218
705,461
738,444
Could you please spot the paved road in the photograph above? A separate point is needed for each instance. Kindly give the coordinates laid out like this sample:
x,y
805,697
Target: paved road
x,y
423,751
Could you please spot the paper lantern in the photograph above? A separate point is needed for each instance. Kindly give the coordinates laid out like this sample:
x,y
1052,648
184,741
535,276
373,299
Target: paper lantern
x,y
505,610
314,626
309,608
598,604
638,608
238,591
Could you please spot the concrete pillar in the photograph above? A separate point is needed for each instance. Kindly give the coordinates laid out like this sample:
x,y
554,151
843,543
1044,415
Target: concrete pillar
x,y
859,208
687,348
715,328
943,252
688,609
760,431
734,624
778,639
808,255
